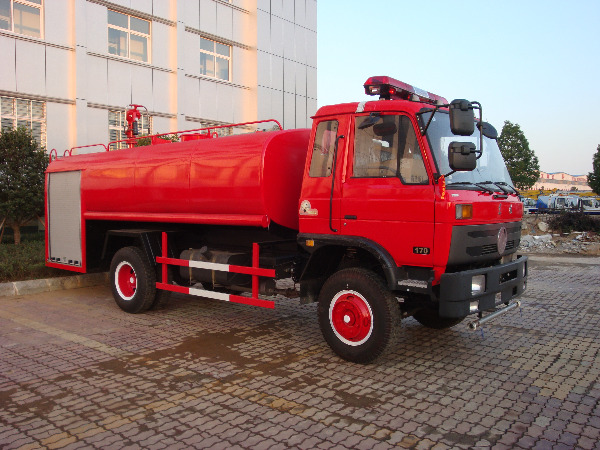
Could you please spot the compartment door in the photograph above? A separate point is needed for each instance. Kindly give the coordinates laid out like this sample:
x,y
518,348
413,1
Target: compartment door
x,y
64,218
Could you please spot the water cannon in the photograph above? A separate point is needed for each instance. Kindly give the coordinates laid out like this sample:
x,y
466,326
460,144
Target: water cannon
x,y
132,116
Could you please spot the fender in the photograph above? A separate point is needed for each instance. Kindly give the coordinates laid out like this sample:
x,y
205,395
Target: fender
x,y
385,260
148,240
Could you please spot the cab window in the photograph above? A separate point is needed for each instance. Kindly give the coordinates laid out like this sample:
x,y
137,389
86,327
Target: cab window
x,y
323,149
387,146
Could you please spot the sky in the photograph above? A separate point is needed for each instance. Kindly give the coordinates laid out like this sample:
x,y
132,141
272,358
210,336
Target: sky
x,y
534,63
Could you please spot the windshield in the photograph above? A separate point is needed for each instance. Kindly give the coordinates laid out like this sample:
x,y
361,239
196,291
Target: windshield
x,y
490,166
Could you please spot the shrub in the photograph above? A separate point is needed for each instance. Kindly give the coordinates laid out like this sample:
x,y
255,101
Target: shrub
x,y
568,222
26,260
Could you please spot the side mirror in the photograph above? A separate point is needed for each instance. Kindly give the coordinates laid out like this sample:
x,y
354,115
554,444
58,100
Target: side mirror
x,y
462,118
487,130
462,156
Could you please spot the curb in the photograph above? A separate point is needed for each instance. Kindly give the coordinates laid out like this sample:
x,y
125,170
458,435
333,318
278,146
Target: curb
x,y
16,288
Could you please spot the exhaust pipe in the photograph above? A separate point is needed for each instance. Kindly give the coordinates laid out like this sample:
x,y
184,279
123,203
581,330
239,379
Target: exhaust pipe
x,y
478,323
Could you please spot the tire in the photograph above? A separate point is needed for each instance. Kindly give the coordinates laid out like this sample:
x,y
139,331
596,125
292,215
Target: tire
x,y
352,294
132,280
430,318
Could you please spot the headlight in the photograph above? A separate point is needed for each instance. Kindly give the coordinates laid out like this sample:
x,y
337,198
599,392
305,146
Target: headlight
x,y
464,211
478,284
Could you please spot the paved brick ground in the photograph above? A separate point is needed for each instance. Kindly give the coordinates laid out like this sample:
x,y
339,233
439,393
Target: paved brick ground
x,y
76,372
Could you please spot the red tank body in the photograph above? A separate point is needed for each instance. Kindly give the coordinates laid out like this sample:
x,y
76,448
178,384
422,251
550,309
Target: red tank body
x,y
249,179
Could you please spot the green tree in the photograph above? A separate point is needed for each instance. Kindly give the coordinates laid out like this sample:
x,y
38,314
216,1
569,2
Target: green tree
x,y
594,176
22,166
521,162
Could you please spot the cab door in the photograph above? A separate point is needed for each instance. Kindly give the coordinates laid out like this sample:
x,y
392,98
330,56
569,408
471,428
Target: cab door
x,y
320,198
387,196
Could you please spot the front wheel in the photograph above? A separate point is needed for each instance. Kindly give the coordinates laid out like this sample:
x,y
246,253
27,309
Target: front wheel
x,y
132,280
359,317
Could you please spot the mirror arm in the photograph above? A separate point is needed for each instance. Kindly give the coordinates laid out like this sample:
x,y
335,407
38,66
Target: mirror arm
x,y
479,107
449,173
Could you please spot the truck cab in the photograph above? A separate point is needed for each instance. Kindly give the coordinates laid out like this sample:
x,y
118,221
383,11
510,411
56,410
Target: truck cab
x,y
418,194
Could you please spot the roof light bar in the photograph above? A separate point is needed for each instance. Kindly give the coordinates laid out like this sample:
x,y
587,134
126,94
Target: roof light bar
x,y
388,88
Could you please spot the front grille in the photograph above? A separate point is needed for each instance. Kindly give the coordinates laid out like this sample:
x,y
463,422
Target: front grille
x,y
488,249
475,243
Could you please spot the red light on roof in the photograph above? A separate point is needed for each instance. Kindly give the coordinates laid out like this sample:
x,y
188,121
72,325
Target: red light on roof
x,y
388,88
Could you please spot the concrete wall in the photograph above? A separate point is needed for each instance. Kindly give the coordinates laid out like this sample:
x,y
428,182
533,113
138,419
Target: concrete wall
x,y
287,60
273,69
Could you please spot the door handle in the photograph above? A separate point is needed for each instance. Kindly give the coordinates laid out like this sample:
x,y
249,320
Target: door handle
x,y
350,217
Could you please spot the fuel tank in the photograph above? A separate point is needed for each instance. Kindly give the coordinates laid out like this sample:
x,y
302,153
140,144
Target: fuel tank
x,y
250,179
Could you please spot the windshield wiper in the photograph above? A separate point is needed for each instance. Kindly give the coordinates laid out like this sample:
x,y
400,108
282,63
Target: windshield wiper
x,y
481,185
502,183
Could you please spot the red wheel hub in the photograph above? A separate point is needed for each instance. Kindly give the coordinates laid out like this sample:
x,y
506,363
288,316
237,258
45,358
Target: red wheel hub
x,y
126,280
351,317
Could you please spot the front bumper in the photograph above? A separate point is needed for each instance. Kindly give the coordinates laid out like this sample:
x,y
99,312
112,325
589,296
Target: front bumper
x,y
502,284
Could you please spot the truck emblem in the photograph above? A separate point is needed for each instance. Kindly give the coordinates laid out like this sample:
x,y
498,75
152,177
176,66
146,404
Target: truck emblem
x,y
307,210
502,240
499,208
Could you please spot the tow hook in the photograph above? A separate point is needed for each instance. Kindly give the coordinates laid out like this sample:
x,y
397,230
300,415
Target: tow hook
x,y
478,323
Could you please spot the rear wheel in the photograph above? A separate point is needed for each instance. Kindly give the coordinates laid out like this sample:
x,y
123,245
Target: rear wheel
x,y
430,318
133,281
358,316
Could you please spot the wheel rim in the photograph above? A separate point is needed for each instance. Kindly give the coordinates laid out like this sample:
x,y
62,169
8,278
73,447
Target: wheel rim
x,y
125,280
351,318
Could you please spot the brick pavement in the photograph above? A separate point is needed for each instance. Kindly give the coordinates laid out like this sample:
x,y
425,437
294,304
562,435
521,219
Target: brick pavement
x,y
77,372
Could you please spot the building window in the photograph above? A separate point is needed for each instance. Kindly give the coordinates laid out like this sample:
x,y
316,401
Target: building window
x,y
117,126
215,59
128,36
21,16
18,112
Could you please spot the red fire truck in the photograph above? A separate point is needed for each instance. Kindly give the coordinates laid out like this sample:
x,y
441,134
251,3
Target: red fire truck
x,y
397,207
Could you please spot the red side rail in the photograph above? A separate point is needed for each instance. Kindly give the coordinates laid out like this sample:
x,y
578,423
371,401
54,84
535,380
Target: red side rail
x,y
210,133
158,138
255,271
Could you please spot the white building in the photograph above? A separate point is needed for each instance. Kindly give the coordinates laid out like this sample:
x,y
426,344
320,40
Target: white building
x,y
561,181
70,67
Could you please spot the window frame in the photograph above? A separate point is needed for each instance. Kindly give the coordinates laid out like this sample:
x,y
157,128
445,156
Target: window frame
x,y
30,4
325,169
15,117
215,54
398,175
129,31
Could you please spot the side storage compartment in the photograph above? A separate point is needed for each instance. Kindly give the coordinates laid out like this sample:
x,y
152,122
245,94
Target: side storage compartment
x,y
64,218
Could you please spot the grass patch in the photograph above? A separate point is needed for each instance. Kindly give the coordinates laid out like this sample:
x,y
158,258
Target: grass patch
x,y
25,261
568,222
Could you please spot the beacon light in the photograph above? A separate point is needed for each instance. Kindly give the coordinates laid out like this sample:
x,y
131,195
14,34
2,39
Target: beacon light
x,y
389,88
